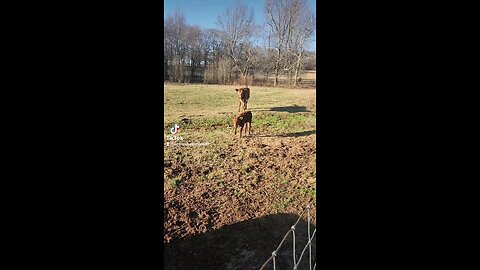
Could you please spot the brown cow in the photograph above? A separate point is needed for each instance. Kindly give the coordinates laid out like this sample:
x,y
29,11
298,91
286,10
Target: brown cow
x,y
243,96
243,119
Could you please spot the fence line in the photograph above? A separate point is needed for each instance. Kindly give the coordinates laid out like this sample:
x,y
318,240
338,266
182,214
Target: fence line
x,y
309,244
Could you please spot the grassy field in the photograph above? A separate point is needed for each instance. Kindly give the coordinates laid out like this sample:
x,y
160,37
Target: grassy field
x,y
213,106
234,180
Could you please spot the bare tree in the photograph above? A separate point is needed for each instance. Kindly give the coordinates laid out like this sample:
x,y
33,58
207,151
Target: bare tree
x,y
304,30
310,60
175,29
237,27
193,43
213,54
282,15
234,49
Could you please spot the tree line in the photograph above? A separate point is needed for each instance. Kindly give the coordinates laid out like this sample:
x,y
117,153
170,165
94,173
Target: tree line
x,y
239,50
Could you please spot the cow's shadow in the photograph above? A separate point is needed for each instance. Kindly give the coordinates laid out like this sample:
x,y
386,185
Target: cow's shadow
x,y
243,245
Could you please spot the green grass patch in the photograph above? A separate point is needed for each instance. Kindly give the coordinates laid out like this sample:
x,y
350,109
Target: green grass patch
x,y
308,191
175,182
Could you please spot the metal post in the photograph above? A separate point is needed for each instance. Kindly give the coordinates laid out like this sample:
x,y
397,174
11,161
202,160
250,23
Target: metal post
x,y
273,257
309,241
293,232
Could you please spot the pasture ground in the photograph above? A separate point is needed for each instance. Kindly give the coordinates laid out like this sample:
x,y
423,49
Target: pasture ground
x,y
230,181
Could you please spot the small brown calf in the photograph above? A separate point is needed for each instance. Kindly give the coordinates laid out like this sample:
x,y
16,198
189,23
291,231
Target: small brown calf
x,y
243,96
243,119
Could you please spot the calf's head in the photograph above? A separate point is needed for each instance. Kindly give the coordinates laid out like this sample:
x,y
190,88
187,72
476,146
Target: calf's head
x,y
237,121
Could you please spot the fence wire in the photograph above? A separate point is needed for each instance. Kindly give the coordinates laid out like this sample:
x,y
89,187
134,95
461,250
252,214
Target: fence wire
x,y
296,262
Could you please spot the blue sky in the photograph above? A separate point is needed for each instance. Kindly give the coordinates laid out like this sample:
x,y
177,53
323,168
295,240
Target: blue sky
x,y
204,13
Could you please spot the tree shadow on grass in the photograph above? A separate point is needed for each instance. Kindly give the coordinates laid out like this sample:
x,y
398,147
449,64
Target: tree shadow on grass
x,y
290,109
243,245
294,134
299,134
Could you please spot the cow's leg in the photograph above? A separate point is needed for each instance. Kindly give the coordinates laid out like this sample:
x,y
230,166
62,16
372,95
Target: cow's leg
x,y
245,105
241,129
235,129
239,103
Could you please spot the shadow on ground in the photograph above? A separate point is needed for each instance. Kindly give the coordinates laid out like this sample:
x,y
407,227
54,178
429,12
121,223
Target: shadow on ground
x,y
299,134
290,109
244,245
294,134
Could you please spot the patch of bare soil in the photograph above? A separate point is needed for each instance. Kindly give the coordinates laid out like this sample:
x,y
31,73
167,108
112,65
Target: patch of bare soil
x,y
231,211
